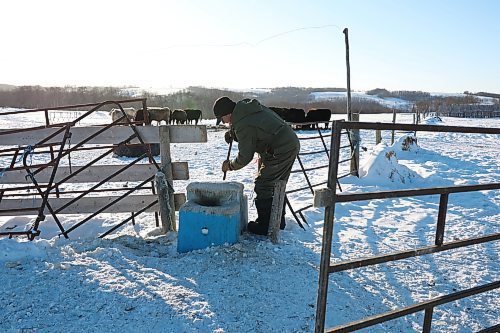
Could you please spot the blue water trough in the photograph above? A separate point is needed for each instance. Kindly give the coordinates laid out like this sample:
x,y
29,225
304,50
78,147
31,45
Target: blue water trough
x,y
215,213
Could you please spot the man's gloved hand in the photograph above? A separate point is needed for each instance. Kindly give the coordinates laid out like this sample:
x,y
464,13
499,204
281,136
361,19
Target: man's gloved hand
x,y
226,166
228,136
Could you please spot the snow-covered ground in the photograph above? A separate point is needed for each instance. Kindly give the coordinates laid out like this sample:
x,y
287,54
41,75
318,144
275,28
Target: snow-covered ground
x,y
136,282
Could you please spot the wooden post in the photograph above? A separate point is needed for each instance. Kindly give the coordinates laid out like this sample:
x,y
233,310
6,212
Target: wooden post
x,y
378,136
164,203
350,115
393,121
145,112
166,166
277,210
349,112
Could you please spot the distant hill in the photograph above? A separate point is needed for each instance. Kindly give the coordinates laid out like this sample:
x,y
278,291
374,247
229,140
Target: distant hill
x,y
7,87
412,96
378,100
486,94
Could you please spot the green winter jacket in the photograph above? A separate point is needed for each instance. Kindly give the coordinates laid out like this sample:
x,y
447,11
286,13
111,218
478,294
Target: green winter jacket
x,y
260,130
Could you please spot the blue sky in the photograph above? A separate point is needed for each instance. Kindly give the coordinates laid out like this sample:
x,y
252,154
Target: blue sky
x,y
437,46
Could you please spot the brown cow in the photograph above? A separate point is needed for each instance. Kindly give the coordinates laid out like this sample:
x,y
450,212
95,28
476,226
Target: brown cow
x,y
157,114
117,114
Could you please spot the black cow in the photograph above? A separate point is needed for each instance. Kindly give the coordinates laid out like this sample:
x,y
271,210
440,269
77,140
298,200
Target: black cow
x,y
317,116
291,115
193,114
279,111
295,115
178,116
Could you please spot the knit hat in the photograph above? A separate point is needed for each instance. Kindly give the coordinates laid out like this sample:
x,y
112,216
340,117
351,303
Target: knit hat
x,y
223,106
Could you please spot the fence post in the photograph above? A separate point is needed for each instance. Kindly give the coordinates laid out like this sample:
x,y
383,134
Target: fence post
x,y
354,134
277,210
145,112
326,246
427,320
378,136
443,204
166,166
164,202
393,121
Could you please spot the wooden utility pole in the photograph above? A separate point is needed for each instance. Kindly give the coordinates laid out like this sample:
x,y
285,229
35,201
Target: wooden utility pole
x,y
354,134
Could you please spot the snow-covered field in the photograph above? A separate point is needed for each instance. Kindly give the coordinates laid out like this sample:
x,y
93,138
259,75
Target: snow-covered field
x,y
136,282
390,102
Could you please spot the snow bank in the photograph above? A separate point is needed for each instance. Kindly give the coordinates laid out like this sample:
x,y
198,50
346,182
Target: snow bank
x,y
14,251
382,164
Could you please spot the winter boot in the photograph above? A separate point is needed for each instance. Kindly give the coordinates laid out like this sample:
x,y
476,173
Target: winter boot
x,y
261,225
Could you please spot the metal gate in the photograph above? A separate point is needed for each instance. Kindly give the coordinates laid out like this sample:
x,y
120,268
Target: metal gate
x,y
100,187
328,198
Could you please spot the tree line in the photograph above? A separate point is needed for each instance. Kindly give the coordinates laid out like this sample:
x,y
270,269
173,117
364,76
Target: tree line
x,y
31,97
408,95
202,98
34,97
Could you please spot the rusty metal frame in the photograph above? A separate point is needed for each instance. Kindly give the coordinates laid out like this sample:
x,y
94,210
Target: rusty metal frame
x,y
45,195
45,190
304,171
326,268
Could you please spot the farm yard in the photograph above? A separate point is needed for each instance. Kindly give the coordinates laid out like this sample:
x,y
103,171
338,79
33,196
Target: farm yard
x,y
116,214
134,280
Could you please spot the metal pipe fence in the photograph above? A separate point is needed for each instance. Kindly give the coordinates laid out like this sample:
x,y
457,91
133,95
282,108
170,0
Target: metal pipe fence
x,y
328,198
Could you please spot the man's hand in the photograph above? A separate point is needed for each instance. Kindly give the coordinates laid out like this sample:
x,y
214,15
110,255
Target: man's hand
x,y
226,166
228,136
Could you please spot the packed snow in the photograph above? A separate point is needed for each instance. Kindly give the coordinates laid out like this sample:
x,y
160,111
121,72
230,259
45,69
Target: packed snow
x,y
135,281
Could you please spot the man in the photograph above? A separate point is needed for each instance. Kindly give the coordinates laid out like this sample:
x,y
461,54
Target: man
x,y
258,129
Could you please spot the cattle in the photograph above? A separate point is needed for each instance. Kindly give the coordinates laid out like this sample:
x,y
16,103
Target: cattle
x,y
193,115
290,115
117,114
157,114
293,116
317,116
178,116
279,111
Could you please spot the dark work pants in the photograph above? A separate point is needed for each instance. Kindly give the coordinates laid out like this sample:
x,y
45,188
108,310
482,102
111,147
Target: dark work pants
x,y
273,168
